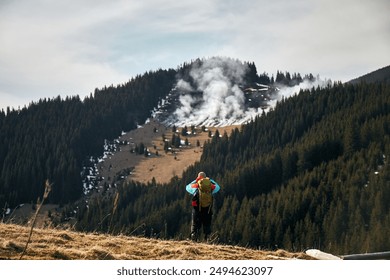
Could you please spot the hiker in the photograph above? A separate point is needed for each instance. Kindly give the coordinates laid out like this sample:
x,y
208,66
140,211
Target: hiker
x,y
202,190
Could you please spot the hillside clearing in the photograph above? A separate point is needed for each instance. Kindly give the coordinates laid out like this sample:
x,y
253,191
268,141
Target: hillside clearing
x,y
50,244
159,165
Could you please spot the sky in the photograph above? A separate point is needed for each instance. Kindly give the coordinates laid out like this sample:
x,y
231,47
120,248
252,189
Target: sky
x,y
51,47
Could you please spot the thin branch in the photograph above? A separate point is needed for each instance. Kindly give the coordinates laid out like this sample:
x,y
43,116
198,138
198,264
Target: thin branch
x,y
45,195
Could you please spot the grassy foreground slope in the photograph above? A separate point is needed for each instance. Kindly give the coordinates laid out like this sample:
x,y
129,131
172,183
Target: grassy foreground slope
x,y
48,244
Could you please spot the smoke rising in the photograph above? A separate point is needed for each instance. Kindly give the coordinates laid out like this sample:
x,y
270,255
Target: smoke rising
x,y
222,102
212,93
289,91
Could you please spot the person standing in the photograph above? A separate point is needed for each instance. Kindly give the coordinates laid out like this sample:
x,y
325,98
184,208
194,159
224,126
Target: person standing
x,y
202,190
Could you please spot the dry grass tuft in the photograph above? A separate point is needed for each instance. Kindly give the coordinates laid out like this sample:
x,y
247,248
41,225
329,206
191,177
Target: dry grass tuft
x,y
52,244
98,253
12,246
57,255
65,236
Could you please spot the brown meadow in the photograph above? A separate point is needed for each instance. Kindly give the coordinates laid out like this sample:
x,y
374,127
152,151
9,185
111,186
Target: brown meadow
x,y
51,244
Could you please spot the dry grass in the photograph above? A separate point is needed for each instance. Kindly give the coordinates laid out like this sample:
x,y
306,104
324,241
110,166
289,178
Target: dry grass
x,y
49,244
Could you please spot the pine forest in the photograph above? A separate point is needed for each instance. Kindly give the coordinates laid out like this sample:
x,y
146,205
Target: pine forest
x,y
313,172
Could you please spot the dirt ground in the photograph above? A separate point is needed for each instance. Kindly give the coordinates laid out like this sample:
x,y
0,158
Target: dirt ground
x,y
159,164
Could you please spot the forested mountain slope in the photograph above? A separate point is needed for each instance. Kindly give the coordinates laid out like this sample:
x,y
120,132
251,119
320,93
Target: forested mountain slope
x,y
52,138
314,172
380,75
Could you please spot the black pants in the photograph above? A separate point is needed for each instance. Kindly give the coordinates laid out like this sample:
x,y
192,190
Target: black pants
x,y
201,217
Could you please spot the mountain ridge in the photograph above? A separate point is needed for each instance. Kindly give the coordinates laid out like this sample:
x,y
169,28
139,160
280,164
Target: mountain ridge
x,y
379,75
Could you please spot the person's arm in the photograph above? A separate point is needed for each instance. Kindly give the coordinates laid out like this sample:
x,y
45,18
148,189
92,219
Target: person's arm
x,y
190,189
217,187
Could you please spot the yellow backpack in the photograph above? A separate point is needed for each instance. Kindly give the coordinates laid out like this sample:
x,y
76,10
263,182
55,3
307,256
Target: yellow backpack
x,y
205,190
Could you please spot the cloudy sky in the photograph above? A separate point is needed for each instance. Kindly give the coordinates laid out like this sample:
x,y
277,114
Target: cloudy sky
x,y
50,48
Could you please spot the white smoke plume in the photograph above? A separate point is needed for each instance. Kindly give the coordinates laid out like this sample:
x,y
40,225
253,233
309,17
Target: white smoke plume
x,y
213,95
290,91
222,102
